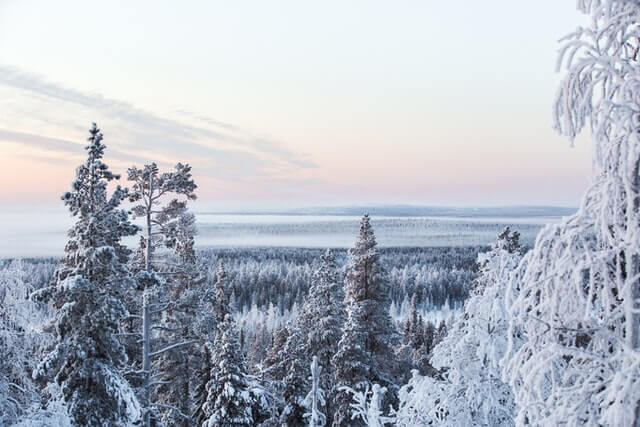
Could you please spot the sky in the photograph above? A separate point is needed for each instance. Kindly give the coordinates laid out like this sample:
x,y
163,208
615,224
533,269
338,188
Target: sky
x,y
293,103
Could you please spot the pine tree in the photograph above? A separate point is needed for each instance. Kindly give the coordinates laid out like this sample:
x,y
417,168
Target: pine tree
x,y
422,355
365,352
167,225
415,325
87,295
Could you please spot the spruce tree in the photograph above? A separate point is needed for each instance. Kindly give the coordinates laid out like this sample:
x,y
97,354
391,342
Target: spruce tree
x,y
202,375
321,319
212,312
353,367
87,295
366,350
230,401
285,368
316,331
274,369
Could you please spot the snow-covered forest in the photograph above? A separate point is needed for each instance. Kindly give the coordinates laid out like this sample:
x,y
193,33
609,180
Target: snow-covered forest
x,y
162,334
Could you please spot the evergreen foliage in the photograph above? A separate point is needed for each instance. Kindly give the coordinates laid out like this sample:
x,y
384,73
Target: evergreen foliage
x,y
87,355
366,349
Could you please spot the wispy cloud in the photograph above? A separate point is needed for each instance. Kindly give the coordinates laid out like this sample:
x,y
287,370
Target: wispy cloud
x,y
222,150
56,148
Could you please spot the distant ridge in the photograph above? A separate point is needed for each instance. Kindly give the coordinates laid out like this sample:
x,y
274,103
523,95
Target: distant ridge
x,y
412,210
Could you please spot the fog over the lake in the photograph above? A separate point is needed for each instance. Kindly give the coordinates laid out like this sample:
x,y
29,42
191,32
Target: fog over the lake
x,y
38,232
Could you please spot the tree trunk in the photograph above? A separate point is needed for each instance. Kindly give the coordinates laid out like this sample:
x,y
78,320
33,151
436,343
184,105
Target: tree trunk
x,y
146,360
146,319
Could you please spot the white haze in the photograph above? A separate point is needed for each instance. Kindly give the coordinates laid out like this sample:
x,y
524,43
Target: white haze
x,y
41,231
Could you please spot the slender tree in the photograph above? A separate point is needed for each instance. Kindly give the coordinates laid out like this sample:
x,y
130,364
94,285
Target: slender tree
x,y
163,226
315,399
87,355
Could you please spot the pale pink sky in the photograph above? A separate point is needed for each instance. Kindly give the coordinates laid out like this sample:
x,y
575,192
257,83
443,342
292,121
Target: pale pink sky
x,y
292,104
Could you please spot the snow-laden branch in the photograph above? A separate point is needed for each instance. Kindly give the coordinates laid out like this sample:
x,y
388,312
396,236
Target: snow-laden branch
x,y
171,347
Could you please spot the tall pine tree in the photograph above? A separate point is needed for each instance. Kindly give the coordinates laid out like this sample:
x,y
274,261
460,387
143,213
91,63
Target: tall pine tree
x,y
168,224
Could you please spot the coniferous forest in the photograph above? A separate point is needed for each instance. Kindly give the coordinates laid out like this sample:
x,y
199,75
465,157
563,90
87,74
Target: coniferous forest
x,y
164,332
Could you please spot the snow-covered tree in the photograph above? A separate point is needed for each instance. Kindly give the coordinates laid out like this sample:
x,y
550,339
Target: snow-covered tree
x,y
87,298
315,399
233,398
167,223
213,311
366,349
229,400
352,364
202,375
21,341
182,309
52,411
367,406
286,370
470,391
321,319
163,222
421,403
273,367
323,313
219,301
315,331
576,301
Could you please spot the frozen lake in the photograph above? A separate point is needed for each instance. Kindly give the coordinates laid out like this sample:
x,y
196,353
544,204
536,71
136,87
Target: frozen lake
x,y
38,232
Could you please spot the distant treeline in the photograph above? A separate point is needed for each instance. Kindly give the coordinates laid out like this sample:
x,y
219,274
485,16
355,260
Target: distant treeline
x,y
281,276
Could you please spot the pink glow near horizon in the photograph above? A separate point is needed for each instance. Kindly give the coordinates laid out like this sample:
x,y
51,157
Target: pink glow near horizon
x,y
379,112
